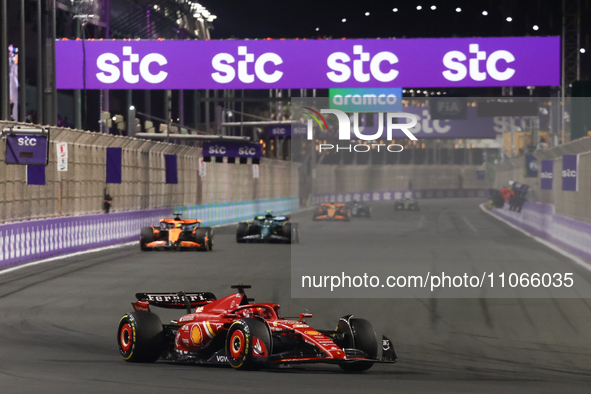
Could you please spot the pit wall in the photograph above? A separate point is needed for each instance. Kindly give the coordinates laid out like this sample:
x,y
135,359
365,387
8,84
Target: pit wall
x,y
541,220
79,191
575,205
362,178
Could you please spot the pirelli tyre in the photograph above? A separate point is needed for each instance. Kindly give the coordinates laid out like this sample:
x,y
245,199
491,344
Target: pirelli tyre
x,y
241,232
292,232
364,339
248,344
204,237
140,337
367,212
146,236
398,206
348,214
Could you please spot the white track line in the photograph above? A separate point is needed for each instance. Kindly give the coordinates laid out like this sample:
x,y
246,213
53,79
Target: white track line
x,y
421,222
549,244
469,224
66,256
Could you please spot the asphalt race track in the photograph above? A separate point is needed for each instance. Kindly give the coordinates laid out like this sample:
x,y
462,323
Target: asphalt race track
x,y
58,321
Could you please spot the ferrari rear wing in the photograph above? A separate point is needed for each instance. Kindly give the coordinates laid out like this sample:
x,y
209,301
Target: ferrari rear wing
x,y
175,300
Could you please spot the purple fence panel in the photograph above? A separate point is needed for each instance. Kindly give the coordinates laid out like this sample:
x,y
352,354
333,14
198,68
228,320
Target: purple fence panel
x,y
34,240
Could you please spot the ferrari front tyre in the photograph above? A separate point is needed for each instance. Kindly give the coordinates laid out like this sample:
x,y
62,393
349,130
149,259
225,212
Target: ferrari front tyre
x,y
241,232
146,236
248,344
140,337
364,339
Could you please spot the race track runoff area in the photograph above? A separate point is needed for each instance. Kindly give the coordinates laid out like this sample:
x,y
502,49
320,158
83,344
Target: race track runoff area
x,y
58,320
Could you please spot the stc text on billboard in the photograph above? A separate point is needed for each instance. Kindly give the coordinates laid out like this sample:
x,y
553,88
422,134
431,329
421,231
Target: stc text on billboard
x,y
265,64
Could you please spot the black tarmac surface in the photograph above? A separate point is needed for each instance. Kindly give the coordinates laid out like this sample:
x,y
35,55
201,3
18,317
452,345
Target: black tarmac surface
x,y
58,322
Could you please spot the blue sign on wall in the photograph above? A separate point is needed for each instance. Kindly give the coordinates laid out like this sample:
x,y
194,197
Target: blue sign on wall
x,y
570,174
171,169
232,149
28,149
531,166
547,174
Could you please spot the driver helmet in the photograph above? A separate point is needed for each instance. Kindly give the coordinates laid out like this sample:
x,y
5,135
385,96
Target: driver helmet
x,y
178,225
269,214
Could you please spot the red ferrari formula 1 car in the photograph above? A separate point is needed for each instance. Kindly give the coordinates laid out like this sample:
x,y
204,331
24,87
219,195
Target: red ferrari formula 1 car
x,y
236,331
332,211
175,234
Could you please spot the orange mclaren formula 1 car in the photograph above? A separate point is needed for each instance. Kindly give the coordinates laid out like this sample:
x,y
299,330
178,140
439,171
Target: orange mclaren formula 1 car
x,y
332,211
177,233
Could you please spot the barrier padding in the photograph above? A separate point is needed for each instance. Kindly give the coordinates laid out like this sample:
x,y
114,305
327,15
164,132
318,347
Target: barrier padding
x,y
229,212
540,220
39,239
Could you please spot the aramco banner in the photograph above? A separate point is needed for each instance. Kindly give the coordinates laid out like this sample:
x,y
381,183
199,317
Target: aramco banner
x,y
299,64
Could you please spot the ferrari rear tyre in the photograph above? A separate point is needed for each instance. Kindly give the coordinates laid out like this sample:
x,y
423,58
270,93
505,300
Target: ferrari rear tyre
x,y
364,339
140,337
241,232
241,349
146,236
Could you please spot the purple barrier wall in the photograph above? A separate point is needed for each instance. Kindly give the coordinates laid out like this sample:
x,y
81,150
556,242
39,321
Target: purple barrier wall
x,y
540,220
392,195
25,241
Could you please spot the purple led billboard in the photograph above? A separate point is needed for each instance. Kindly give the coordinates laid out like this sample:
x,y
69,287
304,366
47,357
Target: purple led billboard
x,y
297,64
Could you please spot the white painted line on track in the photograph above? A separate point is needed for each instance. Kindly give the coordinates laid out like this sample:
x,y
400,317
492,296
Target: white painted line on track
x,y
66,256
469,224
421,222
576,259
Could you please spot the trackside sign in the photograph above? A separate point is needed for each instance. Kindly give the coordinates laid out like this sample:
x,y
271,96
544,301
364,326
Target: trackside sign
x,y
292,64
232,149
570,175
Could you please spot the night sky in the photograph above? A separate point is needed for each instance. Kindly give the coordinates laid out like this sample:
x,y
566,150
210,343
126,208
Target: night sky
x,y
281,19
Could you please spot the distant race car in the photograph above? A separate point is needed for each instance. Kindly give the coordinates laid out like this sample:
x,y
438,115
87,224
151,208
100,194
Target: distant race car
x,y
268,228
332,211
237,332
359,209
406,205
175,234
